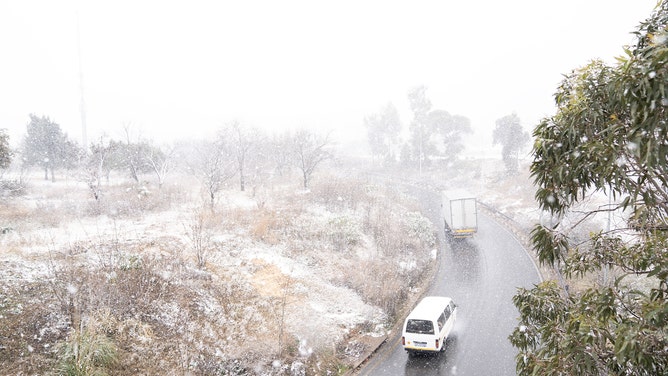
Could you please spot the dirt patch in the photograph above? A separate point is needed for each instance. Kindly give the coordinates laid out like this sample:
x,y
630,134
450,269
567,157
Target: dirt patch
x,y
268,279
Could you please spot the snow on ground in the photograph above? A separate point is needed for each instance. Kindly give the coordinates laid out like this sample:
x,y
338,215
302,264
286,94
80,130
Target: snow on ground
x,y
62,226
56,221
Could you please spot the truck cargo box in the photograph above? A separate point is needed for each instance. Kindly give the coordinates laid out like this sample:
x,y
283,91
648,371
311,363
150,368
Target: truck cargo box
x,y
460,214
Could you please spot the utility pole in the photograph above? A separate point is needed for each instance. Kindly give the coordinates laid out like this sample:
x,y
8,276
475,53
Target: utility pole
x,y
82,104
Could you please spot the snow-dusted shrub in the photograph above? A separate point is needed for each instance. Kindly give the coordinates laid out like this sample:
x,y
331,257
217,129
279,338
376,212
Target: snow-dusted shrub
x,y
199,231
297,368
171,314
268,226
13,216
420,228
30,326
398,234
87,352
379,282
337,193
344,232
170,317
12,188
50,213
328,362
127,200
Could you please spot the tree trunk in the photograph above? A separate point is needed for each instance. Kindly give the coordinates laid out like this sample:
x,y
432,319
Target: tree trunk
x,y
242,180
133,173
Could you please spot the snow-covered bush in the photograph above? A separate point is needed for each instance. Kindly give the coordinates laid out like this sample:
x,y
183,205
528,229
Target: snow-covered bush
x,y
12,188
130,266
344,232
87,352
420,228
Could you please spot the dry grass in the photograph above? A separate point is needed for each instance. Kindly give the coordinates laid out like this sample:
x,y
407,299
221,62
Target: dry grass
x,y
170,288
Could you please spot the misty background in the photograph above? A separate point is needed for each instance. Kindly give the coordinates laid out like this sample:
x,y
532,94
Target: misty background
x,y
174,69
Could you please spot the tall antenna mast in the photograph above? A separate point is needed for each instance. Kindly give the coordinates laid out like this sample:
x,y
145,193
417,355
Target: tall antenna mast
x,y
82,104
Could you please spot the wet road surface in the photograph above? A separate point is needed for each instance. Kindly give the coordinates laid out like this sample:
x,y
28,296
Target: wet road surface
x,y
481,274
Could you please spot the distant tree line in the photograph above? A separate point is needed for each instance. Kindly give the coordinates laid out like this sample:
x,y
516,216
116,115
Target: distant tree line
x,y
236,151
434,135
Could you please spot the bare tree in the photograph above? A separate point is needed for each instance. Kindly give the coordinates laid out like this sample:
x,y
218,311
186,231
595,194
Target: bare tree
x,y
309,151
96,166
199,233
259,165
243,144
280,152
214,166
160,160
132,155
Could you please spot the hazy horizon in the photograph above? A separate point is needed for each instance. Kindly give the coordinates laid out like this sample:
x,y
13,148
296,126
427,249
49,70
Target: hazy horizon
x,y
174,70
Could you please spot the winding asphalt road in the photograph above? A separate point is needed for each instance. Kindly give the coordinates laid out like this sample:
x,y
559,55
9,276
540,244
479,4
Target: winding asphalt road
x,y
481,274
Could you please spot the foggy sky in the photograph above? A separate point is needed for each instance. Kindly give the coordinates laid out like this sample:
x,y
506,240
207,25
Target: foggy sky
x,y
184,68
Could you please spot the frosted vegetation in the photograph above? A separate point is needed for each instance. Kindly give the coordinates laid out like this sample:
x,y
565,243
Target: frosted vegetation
x,y
243,253
232,256
153,280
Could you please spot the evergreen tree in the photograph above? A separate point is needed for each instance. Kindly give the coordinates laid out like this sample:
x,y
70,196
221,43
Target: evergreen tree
x,y
512,137
45,145
5,151
608,136
383,133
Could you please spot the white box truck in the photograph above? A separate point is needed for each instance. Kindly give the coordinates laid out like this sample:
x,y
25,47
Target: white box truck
x,y
460,214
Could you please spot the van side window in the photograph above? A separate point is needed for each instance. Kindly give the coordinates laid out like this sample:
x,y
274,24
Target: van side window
x,y
447,312
441,321
420,326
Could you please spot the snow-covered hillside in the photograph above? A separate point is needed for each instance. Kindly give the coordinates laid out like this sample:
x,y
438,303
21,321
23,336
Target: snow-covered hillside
x,y
275,281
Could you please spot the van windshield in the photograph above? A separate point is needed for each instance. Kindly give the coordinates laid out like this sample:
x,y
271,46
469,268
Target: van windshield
x,y
420,327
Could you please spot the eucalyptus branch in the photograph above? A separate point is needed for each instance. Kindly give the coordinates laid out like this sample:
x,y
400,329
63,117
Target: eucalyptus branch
x,y
589,214
624,305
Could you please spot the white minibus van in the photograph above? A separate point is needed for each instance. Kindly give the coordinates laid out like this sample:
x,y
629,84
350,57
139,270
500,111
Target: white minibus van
x,y
427,327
